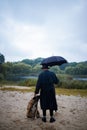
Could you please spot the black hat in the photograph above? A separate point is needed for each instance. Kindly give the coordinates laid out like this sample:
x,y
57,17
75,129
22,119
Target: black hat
x,y
45,67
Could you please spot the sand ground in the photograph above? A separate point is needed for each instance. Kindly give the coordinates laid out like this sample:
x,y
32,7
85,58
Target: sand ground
x,y
71,115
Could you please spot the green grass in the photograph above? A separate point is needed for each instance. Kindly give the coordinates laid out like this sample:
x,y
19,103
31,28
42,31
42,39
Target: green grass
x,y
31,89
74,92
59,91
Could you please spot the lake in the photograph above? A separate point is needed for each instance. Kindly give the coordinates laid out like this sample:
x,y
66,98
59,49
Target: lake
x,y
81,79
35,77
29,77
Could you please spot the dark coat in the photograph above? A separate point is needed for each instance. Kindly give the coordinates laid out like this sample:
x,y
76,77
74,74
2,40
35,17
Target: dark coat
x,y
45,85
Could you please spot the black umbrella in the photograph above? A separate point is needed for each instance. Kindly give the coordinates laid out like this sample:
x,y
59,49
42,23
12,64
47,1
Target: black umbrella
x,y
53,60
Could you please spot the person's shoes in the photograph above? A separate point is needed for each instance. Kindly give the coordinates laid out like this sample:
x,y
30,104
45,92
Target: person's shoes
x,y
52,120
44,119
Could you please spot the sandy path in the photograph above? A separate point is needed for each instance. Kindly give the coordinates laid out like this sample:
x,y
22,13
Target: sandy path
x,y
72,113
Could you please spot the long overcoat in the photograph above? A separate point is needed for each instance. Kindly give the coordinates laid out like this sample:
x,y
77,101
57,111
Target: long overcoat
x,y
45,84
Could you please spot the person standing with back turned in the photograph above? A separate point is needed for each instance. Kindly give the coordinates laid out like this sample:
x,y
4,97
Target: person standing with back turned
x,y
45,84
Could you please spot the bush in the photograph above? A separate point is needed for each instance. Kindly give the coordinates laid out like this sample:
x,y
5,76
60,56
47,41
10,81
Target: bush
x,y
1,76
73,84
66,81
28,82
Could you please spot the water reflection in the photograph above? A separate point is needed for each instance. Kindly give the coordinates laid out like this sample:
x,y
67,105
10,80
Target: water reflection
x,y
29,77
81,79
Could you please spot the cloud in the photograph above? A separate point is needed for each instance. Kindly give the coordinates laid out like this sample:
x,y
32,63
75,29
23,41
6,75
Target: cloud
x,y
28,39
52,29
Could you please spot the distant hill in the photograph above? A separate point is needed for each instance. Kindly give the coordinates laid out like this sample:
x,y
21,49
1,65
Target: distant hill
x,y
34,62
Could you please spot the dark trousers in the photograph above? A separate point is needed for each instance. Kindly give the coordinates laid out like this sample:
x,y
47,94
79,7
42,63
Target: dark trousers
x,y
51,112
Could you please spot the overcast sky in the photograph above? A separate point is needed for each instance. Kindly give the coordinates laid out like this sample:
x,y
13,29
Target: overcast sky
x,y
42,28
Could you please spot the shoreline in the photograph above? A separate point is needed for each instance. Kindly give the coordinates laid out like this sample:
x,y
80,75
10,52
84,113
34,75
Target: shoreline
x,y
59,91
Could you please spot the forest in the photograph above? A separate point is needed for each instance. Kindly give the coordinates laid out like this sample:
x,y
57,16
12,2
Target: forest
x,y
14,71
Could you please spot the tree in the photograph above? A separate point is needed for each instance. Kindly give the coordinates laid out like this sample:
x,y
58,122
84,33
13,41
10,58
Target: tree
x,y
2,59
21,69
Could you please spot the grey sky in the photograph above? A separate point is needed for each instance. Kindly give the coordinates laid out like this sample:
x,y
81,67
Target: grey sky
x,y
41,28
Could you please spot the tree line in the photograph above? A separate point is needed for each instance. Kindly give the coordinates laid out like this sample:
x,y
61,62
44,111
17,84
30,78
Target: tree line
x,y
13,70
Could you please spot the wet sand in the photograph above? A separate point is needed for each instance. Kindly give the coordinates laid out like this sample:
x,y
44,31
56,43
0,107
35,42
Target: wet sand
x,y
71,115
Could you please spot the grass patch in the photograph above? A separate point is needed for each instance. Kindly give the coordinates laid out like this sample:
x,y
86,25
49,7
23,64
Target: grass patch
x,y
31,89
74,92
59,91
4,82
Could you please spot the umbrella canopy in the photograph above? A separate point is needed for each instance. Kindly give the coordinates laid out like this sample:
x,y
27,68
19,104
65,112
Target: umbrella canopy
x,y
53,60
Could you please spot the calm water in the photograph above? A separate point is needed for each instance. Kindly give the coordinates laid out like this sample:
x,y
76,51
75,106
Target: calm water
x,y
35,77
81,79
29,77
